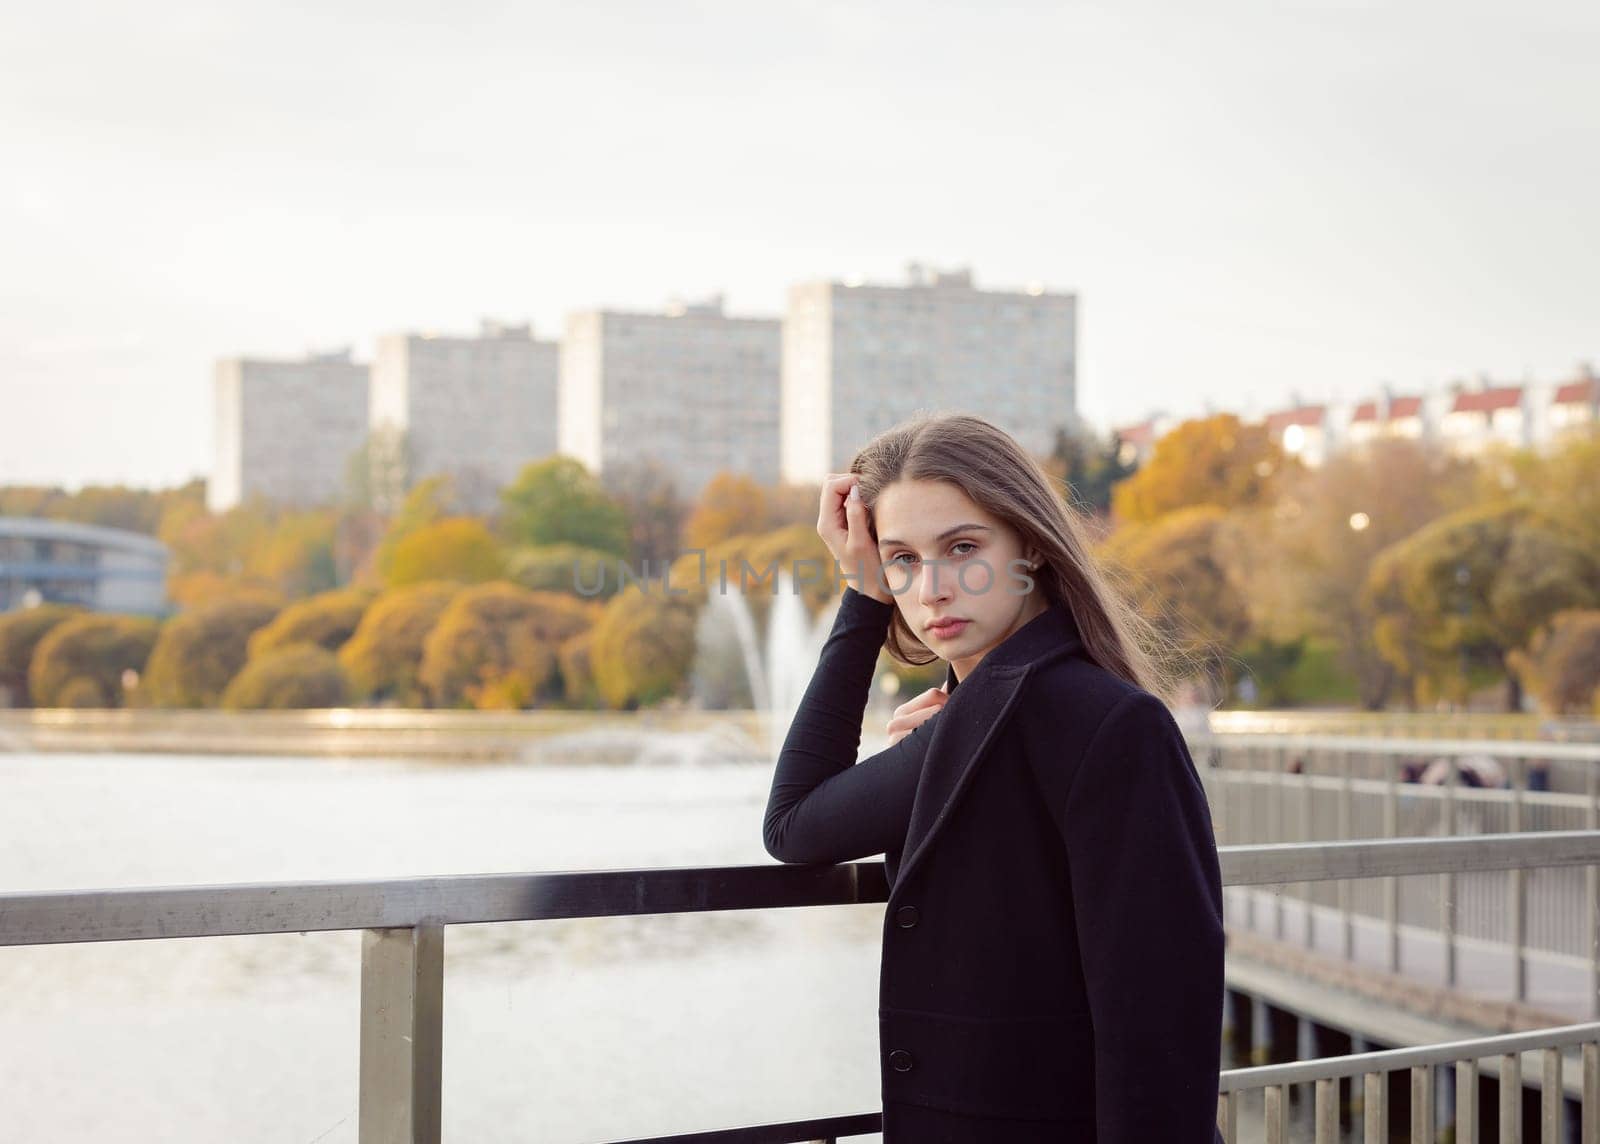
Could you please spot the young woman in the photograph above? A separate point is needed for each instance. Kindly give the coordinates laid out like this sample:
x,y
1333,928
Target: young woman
x,y
1052,965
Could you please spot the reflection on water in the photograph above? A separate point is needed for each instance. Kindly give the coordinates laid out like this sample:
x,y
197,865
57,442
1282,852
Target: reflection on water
x,y
571,1030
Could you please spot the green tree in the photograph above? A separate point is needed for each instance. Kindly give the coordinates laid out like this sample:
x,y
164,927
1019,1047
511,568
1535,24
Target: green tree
x,y
1088,468
557,501
565,568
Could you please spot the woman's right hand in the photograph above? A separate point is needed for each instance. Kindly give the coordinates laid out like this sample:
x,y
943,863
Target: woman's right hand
x,y
846,528
915,712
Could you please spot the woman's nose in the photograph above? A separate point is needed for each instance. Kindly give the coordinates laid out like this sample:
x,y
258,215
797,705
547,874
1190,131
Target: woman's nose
x,y
938,583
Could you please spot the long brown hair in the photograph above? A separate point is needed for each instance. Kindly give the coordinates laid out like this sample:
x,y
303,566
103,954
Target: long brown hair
x,y
1000,476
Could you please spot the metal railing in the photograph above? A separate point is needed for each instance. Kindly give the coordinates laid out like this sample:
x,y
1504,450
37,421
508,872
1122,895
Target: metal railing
x,y
1274,1082
403,922
1272,788
1410,724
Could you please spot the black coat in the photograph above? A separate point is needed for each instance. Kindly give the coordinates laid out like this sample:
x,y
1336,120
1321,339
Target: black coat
x,y
1052,964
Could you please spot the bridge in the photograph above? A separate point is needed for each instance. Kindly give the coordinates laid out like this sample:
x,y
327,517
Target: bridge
x,y
1455,923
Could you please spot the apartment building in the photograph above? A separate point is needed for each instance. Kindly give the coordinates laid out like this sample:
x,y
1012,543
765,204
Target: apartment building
x,y
859,358
477,408
285,429
690,387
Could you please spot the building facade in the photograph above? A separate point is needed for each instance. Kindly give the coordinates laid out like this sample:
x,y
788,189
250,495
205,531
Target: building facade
x,y
474,408
63,562
691,388
286,429
1464,420
858,359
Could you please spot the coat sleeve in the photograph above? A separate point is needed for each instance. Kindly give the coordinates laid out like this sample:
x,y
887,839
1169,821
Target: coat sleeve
x,y
824,806
1147,892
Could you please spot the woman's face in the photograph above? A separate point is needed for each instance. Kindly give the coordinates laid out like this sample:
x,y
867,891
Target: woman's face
x,y
943,556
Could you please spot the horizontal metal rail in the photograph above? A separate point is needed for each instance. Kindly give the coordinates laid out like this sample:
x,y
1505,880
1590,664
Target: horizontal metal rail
x,y
146,913
403,920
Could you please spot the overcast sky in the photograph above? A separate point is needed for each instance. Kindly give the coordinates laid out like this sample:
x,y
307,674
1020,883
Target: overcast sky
x,y
1250,199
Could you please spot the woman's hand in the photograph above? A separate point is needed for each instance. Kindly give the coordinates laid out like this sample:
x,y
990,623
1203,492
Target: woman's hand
x,y
846,528
914,712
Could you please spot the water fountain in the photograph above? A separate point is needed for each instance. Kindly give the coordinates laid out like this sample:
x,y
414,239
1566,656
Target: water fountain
x,y
775,670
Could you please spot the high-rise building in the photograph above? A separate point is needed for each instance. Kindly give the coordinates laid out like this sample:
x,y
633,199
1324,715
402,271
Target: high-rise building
x,y
691,388
859,358
475,408
286,429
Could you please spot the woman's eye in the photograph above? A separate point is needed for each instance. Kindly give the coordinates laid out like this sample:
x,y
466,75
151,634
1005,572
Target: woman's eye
x,y
896,559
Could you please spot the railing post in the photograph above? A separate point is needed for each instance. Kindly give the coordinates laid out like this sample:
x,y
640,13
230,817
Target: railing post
x,y
1307,889
1467,1103
1517,914
1591,886
1375,1107
1511,1097
1391,884
402,1020
1447,880
1281,833
1551,1097
1346,825
1422,1104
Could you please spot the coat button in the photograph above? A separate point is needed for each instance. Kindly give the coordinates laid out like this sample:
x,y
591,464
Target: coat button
x,y
906,917
900,1061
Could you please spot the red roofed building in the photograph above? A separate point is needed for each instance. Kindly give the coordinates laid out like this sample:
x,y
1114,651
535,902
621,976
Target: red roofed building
x,y
1137,442
1301,432
1477,419
1576,406
1386,416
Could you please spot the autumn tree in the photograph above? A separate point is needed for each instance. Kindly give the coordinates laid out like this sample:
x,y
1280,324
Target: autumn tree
x,y
200,651
1218,461
1305,561
1472,587
457,548
80,662
327,620
643,647
495,646
20,633
1177,571
731,504
384,656
1561,667
289,677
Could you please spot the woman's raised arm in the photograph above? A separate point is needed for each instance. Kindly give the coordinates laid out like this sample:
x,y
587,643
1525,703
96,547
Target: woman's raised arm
x,y
824,806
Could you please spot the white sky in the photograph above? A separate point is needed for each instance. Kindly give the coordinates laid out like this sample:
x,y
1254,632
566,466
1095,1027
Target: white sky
x,y
1250,199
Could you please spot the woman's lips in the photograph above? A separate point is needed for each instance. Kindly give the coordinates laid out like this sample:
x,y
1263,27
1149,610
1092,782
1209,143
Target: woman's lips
x,y
945,631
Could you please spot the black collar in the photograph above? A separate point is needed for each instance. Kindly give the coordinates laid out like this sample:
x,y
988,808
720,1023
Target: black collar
x,y
1051,631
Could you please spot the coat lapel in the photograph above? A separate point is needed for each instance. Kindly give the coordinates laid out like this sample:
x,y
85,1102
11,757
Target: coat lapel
x,y
966,728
